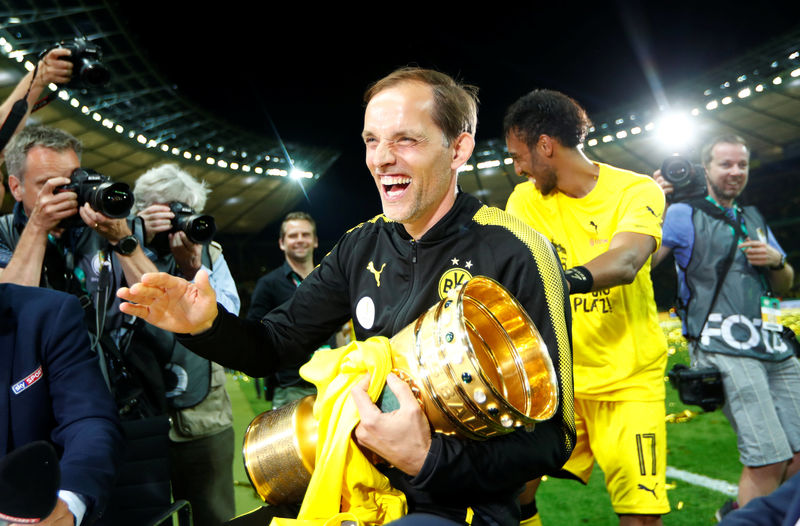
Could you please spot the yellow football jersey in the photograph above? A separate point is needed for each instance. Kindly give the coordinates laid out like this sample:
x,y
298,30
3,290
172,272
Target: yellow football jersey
x,y
619,348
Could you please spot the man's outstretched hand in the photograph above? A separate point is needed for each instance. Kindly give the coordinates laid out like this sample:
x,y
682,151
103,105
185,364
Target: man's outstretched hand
x,y
172,303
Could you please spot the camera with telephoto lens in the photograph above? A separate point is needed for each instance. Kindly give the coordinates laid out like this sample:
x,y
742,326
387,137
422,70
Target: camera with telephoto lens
x,y
197,227
111,199
688,180
88,70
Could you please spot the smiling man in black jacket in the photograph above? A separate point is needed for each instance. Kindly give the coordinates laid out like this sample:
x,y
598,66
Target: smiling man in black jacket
x,y
419,129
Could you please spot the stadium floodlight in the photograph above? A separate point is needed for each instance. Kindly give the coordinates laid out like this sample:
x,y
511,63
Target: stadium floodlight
x,y
636,130
675,131
246,168
744,93
727,100
759,88
777,81
795,73
119,128
607,138
592,142
488,164
712,105
187,155
622,134
508,160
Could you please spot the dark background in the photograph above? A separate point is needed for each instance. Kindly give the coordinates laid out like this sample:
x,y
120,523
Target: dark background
x,y
306,68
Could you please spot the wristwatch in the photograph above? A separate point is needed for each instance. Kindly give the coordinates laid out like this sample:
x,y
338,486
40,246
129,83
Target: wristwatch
x,y
780,265
126,245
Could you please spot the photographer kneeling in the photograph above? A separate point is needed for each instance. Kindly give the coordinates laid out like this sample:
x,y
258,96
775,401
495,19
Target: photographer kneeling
x,y
169,201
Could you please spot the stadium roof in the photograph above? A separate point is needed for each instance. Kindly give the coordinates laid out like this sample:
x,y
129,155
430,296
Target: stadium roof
x,y
139,120
756,96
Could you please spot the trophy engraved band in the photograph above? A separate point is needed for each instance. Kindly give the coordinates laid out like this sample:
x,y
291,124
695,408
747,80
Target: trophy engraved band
x,y
475,361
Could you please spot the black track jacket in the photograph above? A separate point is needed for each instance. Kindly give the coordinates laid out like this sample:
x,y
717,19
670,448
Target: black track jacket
x,y
472,239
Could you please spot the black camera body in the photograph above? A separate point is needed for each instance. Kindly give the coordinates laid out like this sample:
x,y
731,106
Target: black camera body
x,y
103,195
87,67
698,386
688,179
197,227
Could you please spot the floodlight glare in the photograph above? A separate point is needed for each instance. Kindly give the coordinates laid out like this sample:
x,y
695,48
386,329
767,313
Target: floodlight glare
x,y
636,130
744,93
608,138
29,65
795,73
187,155
259,170
508,160
622,134
119,128
712,105
592,142
727,100
674,131
760,88
777,80
488,164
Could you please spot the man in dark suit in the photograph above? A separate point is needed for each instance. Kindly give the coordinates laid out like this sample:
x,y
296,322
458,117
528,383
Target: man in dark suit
x,y
52,389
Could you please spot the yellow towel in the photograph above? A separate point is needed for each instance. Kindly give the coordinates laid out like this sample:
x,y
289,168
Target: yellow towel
x,y
345,486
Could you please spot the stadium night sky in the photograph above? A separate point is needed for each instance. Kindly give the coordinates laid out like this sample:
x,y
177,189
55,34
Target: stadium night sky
x,y
307,68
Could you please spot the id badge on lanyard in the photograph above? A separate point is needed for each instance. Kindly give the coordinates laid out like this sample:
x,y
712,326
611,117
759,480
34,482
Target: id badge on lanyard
x,y
770,305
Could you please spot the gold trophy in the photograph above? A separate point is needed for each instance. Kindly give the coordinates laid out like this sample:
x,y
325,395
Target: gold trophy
x,y
475,362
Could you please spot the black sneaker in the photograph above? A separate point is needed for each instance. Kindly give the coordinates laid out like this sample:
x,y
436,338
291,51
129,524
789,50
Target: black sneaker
x,y
726,508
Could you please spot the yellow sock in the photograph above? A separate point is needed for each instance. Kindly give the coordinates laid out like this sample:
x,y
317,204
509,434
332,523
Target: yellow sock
x,y
532,521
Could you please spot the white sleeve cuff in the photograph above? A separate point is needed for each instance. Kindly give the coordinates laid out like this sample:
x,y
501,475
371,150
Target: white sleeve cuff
x,y
74,503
